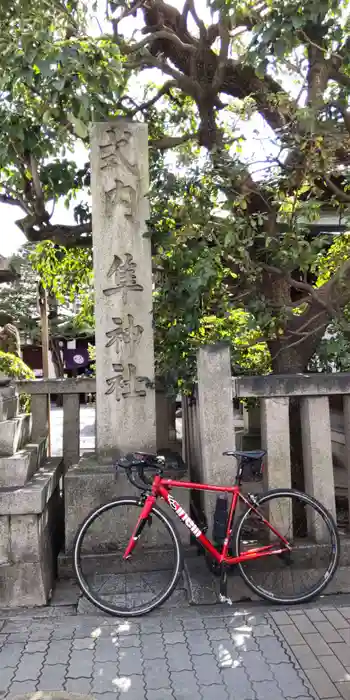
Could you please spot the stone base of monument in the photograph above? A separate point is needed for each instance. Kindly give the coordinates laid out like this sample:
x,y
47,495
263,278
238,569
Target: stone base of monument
x,y
31,511
89,484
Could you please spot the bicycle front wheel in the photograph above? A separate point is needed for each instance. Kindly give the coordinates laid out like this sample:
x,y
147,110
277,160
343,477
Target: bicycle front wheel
x,y
135,586
301,574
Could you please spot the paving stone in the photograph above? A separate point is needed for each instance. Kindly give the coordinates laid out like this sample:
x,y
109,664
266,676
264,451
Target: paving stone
x,y
29,667
129,641
218,634
303,624
106,650
58,651
198,642
317,644
161,694
291,634
214,692
178,657
153,646
23,687
342,651
80,664
288,680
272,650
336,619
281,618
105,677
64,631
237,684
305,656
106,696
32,647
263,631
52,677
174,637
315,615
19,637
345,634
344,689
184,686
130,661
334,668
268,690
11,654
345,610
6,675
156,674
195,623
206,669
328,632
322,683
78,685
227,655
216,622
257,669
84,643
171,624
130,687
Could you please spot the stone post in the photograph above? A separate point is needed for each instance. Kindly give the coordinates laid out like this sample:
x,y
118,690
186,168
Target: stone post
x,y
125,393
216,426
317,454
275,437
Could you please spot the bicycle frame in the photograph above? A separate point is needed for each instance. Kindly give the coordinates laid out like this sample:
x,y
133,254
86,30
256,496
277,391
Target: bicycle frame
x,y
161,488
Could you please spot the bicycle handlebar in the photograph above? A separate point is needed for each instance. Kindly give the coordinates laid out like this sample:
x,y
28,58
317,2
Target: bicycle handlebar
x,y
135,465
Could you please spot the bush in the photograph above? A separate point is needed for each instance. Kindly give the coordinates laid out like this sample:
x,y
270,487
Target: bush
x,y
12,366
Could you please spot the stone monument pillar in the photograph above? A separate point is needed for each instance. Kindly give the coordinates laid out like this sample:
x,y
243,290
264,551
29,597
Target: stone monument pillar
x,y
125,391
125,386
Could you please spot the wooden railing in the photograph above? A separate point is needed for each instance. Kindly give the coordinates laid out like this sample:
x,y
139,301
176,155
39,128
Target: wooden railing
x,y
70,390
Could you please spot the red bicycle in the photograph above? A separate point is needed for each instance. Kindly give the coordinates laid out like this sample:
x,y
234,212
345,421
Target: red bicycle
x,y
141,564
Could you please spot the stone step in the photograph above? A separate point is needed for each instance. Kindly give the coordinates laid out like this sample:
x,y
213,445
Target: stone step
x,y
20,467
14,434
33,496
203,587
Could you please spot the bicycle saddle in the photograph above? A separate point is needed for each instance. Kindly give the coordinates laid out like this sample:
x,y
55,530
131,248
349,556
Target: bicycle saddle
x,y
249,454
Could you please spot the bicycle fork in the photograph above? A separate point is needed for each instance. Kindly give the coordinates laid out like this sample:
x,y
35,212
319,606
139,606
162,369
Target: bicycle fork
x,y
142,520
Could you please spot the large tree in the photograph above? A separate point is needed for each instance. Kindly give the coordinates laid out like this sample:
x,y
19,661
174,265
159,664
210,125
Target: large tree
x,y
255,101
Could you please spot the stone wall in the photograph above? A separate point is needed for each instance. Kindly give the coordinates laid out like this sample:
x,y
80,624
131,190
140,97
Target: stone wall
x,y
31,509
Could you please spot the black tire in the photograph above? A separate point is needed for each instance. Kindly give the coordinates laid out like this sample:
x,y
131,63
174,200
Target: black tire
x,y
266,568
173,552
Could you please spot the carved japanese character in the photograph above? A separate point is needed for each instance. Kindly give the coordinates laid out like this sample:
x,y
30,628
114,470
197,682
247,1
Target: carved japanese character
x,y
124,277
129,386
112,154
127,335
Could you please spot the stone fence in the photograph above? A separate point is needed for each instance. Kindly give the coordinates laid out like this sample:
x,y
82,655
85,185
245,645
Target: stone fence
x,y
212,425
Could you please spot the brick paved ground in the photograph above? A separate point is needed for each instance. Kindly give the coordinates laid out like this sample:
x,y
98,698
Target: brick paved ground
x,y
215,653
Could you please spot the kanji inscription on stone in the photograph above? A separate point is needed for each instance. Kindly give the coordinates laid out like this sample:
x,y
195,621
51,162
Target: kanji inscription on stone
x,y
123,275
124,335
112,153
126,384
121,186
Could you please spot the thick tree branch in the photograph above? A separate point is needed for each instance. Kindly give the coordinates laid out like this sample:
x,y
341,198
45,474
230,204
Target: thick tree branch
x,y
162,34
172,141
223,56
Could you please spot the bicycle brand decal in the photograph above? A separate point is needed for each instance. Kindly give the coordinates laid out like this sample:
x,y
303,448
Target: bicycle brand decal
x,y
181,513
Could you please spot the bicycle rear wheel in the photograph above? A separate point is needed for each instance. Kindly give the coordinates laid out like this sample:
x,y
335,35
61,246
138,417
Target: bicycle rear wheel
x,y
303,573
142,582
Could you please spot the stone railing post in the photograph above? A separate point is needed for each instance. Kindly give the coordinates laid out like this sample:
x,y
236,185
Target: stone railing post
x,y
275,437
216,426
317,452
